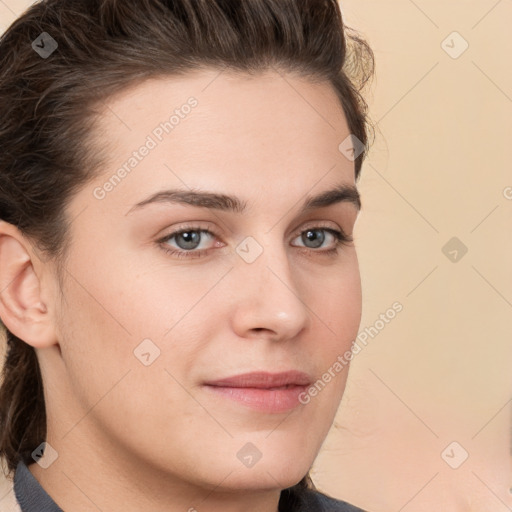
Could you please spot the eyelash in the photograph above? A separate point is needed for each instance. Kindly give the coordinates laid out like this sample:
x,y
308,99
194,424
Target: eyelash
x,y
340,238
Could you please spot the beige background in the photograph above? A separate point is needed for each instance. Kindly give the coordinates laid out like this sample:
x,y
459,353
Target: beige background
x,y
439,372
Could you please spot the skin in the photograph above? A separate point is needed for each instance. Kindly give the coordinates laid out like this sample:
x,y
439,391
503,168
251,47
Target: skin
x,y
132,437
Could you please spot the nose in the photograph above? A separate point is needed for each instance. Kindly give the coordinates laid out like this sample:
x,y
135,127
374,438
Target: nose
x,y
267,301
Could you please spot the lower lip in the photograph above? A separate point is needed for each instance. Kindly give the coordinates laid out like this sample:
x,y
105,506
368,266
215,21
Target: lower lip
x,y
265,400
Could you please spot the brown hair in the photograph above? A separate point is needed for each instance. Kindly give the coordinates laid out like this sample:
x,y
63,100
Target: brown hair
x,y
47,114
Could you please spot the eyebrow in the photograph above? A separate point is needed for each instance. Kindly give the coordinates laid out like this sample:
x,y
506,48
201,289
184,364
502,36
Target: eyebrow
x,y
215,201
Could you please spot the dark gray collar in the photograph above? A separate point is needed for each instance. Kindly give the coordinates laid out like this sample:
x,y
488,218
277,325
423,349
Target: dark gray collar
x,y
29,493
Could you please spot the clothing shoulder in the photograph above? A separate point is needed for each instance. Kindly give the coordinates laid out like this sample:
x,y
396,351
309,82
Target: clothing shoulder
x,y
310,500
315,500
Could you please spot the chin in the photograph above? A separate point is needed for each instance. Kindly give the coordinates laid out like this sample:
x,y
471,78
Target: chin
x,y
271,475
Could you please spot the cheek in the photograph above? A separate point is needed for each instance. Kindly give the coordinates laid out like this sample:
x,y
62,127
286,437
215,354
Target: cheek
x,y
338,304
336,317
116,320
106,338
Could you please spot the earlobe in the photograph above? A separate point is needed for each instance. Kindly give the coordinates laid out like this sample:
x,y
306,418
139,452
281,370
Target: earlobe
x,y
21,309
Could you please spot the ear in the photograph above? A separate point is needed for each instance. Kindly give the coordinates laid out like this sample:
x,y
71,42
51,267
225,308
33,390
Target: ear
x,y
21,309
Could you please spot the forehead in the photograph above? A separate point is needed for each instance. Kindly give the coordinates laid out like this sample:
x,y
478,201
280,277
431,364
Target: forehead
x,y
218,130
227,106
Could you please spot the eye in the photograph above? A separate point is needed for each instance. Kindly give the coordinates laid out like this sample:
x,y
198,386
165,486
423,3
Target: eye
x,y
188,240
314,237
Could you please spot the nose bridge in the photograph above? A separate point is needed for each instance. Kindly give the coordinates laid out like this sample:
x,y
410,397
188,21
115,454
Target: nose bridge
x,y
268,296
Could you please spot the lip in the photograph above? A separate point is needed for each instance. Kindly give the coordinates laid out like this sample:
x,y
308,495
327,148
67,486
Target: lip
x,y
264,380
263,391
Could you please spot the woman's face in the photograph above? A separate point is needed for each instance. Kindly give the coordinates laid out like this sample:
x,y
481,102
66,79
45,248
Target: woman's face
x,y
147,318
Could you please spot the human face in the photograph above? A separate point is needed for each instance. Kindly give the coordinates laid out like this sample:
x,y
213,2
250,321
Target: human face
x,y
261,297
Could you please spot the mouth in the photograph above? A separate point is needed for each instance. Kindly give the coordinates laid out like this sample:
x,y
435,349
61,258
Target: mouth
x,y
263,391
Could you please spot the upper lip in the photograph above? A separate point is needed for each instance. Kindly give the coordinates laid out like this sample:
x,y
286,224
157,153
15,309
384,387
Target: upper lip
x,y
262,379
